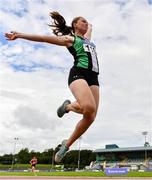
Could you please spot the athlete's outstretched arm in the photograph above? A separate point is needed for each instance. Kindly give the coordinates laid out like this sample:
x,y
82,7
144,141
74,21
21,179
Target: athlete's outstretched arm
x,y
89,31
58,40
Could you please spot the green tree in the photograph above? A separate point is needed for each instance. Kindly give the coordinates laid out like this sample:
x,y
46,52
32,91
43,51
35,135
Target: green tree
x,y
24,156
71,158
6,159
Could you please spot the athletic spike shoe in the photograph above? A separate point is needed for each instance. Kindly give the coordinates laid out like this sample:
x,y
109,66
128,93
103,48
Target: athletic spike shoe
x,y
62,152
62,109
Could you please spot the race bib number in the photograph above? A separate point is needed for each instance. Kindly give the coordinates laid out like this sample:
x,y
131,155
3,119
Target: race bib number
x,y
91,49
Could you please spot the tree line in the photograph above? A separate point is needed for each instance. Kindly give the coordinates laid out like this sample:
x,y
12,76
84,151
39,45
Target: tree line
x,y
71,160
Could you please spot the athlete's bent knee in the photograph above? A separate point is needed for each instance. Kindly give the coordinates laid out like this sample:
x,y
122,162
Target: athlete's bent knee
x,y
89,111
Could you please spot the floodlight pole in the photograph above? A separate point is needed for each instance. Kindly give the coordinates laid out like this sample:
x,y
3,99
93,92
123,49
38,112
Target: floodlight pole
x,y
13,158
53,153
145,135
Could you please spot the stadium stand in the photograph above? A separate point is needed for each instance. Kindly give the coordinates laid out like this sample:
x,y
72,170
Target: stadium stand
x,y
135,158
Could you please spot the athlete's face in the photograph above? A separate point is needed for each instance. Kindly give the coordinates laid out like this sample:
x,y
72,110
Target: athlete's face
x,y
81,25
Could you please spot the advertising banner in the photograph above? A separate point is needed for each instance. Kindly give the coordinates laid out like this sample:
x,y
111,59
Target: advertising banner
x,y
111,171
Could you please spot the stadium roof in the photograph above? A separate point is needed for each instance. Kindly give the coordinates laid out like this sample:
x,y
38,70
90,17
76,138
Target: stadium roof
x,y
143,148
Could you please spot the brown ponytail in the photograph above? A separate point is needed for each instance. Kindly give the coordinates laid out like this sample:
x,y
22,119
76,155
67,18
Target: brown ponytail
x,y
59,25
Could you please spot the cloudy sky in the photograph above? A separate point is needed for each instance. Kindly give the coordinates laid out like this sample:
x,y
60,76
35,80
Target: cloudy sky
x,y
33,76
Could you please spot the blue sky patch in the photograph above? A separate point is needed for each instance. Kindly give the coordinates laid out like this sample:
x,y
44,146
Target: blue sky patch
x,y
20,8
34,66
150,2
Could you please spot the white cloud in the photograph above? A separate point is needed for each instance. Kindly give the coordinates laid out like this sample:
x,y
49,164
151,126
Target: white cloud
x,y
28,100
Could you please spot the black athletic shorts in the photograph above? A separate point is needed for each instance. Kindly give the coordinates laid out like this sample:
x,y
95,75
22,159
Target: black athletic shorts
x,y
81,73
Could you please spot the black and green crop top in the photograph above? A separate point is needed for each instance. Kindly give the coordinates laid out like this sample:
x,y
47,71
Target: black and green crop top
x,y
84,53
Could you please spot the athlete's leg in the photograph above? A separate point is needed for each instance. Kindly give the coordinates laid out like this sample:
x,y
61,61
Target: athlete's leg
x,y
75,106
88,103
33,168
95,92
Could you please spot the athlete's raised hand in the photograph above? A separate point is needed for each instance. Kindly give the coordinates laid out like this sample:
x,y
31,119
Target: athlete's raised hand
x,y
11,36
89,31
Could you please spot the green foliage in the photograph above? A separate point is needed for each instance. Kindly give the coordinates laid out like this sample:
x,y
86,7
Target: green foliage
x,y
23,156
70,161
6,159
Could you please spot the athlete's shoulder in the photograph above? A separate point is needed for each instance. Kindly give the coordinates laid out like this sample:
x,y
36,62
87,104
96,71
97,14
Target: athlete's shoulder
x,y
69,40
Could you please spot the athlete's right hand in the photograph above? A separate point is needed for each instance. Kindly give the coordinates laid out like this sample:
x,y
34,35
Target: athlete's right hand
x,y
11,36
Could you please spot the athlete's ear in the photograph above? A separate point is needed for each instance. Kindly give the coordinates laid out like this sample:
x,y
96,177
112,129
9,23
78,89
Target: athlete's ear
x,y
75,25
